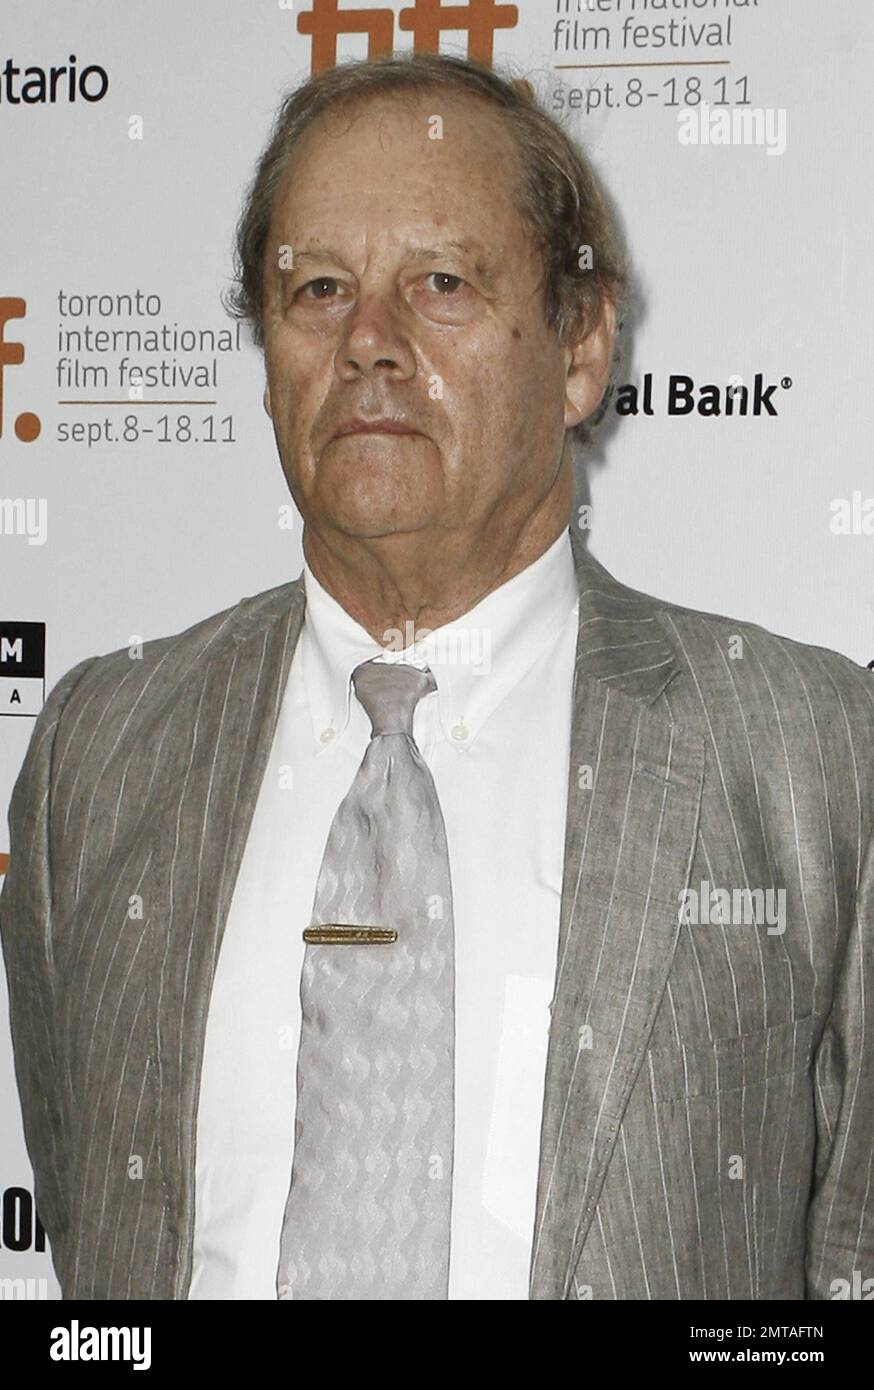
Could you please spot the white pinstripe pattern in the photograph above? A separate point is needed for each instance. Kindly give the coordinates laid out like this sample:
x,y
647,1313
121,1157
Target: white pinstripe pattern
x,y
708,1041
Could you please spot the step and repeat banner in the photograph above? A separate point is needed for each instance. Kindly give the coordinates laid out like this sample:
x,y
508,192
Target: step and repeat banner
x,y
733,471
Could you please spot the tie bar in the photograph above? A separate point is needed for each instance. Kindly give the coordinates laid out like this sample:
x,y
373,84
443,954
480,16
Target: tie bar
x,y
339,934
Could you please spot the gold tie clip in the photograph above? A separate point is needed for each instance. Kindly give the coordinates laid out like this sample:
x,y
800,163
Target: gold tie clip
x,y
339,934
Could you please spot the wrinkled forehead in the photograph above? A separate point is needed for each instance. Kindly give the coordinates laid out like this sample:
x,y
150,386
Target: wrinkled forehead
x,y
428,148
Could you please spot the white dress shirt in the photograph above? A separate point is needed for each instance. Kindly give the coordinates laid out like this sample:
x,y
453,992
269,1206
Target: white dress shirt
x,y
496,737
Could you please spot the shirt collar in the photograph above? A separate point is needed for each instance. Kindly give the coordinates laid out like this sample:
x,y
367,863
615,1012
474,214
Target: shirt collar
x,y
476,659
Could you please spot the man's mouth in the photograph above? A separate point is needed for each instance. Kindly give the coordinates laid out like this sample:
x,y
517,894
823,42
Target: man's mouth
x,y
380,425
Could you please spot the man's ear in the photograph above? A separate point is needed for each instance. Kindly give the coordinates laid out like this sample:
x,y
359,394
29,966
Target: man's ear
x,y
267,400
588,367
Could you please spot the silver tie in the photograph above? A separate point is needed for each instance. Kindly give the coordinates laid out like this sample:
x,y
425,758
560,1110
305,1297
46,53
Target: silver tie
x,y
369,1204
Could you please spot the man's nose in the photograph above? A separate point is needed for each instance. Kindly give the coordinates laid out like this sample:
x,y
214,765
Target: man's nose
x,y
375,340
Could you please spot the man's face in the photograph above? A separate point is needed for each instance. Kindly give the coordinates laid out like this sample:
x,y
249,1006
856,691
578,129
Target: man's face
x,y
413,294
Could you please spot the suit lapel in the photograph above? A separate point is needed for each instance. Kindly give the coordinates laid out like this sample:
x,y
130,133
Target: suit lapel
x,y
628,846
218,740
633,798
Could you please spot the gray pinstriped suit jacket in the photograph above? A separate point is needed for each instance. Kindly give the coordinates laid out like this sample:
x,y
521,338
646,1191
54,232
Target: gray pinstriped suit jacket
x,y
710,1135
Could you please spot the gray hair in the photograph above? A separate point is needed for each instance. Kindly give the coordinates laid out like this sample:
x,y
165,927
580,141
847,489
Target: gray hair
x,y
559,197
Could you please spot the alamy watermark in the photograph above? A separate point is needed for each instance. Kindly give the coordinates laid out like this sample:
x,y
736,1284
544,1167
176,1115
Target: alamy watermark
x,y
464,646
736,907
754,125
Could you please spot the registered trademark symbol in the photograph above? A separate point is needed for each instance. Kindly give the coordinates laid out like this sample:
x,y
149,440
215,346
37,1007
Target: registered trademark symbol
x,y
786,383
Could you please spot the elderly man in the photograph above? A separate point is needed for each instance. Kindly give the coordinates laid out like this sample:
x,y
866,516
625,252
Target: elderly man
x,y
452,921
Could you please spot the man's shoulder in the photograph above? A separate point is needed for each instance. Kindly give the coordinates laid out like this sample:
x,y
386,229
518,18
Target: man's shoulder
x,y
141,676
734,665
716,656
739,653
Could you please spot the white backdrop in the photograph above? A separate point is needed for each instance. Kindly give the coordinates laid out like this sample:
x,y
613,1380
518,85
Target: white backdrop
x,y
748,262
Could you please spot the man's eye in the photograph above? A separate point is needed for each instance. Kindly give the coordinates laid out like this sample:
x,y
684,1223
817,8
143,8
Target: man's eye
x,y
321,281
441,277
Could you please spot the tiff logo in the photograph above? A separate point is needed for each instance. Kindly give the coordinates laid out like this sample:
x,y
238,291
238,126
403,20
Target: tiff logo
x,y
426,20
27,425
